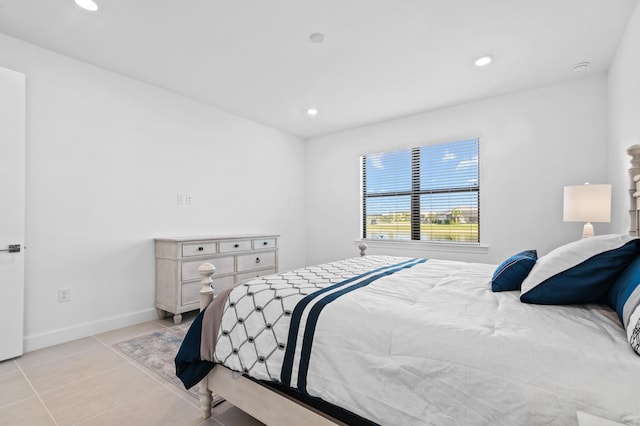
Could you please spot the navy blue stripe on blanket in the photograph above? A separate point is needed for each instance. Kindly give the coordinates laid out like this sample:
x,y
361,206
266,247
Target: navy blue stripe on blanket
x,y
314,314
312,320
296,317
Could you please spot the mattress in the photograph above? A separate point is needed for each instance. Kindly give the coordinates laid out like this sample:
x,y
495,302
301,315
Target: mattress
x,y
415,342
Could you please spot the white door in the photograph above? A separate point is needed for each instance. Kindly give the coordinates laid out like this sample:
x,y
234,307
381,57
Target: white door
x,y
12,211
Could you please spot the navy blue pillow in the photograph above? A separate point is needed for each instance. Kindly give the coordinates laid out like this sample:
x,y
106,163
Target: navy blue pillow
x,y
579,272
513,271
624,295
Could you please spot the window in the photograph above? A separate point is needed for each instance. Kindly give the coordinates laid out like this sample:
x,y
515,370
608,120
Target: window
x,y
429,193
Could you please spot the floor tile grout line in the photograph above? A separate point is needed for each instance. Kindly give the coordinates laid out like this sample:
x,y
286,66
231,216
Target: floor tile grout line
x,y
87,420
90,376
115,407
38,396
26,371
40,364
171,387
81,351
9,361
129,362
166,384
19,372
99,340
129,337
20,401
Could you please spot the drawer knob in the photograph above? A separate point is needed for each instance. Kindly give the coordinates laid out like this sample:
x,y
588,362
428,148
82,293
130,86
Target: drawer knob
x,y
236,245
200,248
257,260
265,243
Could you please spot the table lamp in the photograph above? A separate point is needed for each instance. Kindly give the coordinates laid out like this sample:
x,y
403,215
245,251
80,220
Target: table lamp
x,y
587,203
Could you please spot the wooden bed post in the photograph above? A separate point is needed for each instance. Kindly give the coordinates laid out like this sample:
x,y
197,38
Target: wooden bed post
x,y
206,292
206,397
363,247
206,270
263,403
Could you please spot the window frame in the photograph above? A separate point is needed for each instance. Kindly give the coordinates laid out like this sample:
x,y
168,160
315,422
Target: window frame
x,y
415,194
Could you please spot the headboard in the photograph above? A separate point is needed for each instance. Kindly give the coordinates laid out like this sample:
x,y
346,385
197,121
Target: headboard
x,y
634,190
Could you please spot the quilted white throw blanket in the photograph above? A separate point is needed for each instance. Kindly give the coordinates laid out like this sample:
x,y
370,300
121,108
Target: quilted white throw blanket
x,y
405,341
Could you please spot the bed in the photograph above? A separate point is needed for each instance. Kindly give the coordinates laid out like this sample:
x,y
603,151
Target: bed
x,y
403,341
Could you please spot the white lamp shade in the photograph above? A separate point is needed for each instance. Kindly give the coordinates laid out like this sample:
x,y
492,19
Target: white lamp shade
x,y
587,203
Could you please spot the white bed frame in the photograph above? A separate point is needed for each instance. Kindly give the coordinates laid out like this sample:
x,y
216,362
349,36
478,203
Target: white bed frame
x,y
263,403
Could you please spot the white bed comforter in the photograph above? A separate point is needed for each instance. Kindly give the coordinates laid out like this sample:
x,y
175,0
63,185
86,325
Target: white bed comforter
x,y
432,345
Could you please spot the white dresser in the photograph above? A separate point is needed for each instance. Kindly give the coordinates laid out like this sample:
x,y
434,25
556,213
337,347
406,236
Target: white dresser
x,y
236,258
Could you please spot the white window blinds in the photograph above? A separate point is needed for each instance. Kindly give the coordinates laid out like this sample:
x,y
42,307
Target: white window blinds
x,y
427,193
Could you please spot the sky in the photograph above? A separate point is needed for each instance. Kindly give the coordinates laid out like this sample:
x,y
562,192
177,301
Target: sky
x,y
451,165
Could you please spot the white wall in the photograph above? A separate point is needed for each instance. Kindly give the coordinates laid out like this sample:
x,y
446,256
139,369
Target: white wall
x,y
532,143
106,157
624,118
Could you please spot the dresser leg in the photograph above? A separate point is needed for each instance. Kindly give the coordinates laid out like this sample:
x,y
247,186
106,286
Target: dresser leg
x,y
161,314
177,319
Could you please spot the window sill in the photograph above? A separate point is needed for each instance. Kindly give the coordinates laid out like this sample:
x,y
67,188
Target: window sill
x,y
476,248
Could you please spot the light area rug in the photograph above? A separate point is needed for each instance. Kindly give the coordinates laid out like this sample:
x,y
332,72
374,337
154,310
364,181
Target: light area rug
x,y
157,350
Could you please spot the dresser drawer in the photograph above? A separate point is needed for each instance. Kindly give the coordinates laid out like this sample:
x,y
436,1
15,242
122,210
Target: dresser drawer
x,y
256,260
264,244
248,275
191,291
223,283
224,265
235,257
231,246
198,249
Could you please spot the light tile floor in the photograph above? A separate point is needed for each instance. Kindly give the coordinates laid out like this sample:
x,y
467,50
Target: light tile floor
x,y
87,382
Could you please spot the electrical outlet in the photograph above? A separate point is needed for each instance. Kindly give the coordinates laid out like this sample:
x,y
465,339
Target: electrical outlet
x,y
188,199
181,199
64,295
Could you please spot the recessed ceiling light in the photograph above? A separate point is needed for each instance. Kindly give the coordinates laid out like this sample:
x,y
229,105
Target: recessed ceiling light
x,y
582,66
312,111
89,5
317,38
483,61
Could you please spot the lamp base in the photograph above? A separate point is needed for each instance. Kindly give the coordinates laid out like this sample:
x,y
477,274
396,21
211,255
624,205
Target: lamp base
x,y
587,231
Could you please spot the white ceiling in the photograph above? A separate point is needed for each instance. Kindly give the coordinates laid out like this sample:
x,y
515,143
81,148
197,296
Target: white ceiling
x,y
382,58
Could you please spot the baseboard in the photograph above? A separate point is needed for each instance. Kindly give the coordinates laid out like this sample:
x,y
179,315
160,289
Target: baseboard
x,y
62,335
